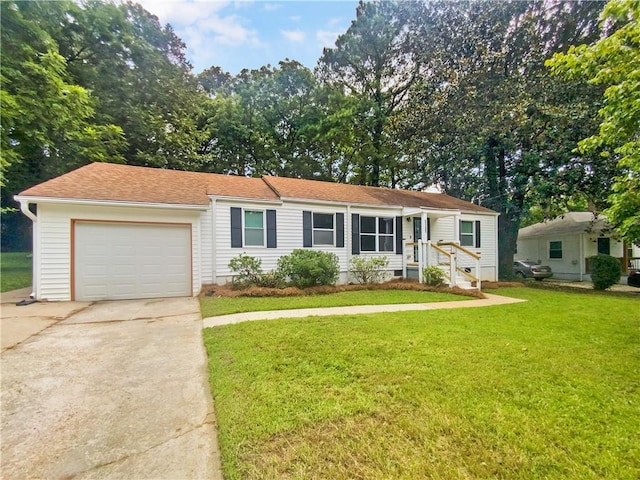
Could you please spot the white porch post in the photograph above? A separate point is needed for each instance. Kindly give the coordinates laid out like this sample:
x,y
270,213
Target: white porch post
x,y
420,260
452,267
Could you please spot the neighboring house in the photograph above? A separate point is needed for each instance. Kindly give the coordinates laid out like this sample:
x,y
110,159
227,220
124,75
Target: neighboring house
x,y
566,242
107,231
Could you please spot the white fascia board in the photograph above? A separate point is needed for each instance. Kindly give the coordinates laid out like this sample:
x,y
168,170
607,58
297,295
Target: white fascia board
x,y
109,203
430,210
244,200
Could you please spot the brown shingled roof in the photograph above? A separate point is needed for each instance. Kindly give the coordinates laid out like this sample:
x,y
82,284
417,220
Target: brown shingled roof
x,y
315,190
125,183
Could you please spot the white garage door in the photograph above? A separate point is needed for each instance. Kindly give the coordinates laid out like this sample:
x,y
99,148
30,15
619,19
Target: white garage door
x,y
115,261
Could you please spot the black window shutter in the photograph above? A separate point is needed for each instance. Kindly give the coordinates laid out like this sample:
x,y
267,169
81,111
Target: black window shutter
x,y
236,227
339,229
460,232
307,233
399,235
428,228
355,233
272,236
477,233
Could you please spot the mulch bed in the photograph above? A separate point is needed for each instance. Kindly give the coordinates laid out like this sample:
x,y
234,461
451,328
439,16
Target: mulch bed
x,y
229,291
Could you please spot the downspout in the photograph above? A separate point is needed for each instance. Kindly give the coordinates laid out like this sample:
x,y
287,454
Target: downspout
x,y
24,208
581,258
349,246
214,250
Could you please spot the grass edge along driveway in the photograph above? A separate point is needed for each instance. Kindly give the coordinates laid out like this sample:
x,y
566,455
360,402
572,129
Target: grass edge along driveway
x,y
543,389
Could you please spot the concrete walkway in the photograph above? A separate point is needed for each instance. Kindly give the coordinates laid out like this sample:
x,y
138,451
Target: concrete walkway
x,y
491,300
109,390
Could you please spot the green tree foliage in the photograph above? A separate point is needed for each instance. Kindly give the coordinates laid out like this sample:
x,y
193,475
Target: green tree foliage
x,y
374,63
47,120
614,62
137,70
490,124
269,121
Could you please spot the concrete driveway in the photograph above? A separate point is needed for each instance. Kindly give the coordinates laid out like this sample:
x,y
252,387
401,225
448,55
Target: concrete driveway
x,y
106,390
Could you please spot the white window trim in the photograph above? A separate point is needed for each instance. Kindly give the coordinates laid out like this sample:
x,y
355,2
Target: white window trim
x,y
332,230
472,234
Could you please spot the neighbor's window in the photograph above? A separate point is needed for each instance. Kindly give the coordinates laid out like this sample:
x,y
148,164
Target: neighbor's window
x,y
467,234
555,249
376,234
254,228
323,229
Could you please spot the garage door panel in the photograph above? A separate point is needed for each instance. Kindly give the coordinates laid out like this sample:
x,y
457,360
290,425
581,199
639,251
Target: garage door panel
x,y
124,261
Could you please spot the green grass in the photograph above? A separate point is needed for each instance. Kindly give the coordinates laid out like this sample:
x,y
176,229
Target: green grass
x,y
15,271
547,389
212,306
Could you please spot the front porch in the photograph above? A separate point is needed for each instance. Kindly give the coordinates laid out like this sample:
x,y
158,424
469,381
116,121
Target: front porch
x,y
460,265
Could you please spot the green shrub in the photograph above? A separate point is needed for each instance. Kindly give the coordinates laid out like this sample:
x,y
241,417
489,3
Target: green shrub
x,y
605,271
368,270
249,273
433,276
307,268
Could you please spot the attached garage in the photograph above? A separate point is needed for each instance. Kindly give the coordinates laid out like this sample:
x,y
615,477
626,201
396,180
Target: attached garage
x,y
122,260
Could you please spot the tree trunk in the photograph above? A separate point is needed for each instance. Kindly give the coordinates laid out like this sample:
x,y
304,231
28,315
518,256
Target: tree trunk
x,y
507,237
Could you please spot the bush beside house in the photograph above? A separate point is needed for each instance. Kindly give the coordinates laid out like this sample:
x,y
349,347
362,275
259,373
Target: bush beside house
x,y
605,271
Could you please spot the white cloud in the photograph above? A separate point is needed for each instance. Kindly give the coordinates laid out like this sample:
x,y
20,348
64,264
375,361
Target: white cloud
x,y
294,35
207,32
295,18
269,7
327,38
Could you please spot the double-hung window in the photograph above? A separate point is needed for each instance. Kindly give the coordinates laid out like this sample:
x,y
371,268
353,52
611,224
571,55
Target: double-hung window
x,y
323,229
555,249
377,234
470,233
254,228
467,237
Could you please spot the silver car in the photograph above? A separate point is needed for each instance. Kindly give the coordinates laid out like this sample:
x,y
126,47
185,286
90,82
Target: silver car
x,y
529,269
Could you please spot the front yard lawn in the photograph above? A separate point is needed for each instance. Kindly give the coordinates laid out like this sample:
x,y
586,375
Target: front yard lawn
x,y
15,270
549,388
212,306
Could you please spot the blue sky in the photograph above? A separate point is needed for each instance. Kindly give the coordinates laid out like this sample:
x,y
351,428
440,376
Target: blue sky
x,y
252,33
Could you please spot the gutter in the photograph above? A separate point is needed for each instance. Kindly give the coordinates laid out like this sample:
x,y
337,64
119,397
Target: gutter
x,y
24,208
111,203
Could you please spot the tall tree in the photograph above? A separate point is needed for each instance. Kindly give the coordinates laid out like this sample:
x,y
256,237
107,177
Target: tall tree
x,y
491,125
374,62
614,62
137,70
47,119
268,121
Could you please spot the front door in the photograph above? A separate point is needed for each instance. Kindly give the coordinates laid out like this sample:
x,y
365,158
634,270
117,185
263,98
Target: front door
x,y
417,236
